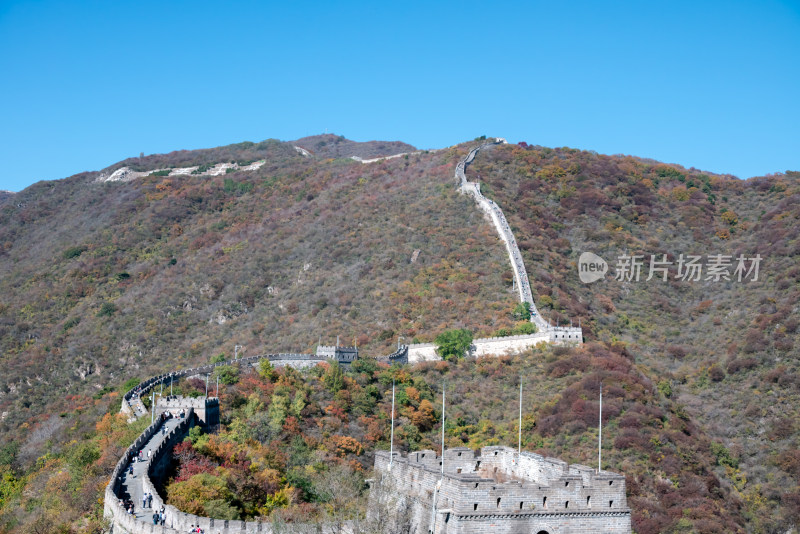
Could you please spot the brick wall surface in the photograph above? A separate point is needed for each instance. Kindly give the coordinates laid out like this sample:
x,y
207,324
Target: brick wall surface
x,y
497,490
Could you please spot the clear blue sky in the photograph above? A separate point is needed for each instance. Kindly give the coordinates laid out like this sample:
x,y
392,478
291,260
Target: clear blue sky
x,y
714,85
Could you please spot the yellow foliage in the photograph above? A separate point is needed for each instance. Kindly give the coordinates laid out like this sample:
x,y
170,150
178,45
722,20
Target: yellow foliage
x,y
549,172
413,395
280,499
163,186
679,194
424,417
189,495
730,217
346,445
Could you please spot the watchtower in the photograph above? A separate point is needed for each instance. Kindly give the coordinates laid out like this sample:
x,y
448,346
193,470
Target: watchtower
x,y
343,355
498,490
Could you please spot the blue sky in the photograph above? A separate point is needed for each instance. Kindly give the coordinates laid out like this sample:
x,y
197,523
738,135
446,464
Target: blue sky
x,y
713,85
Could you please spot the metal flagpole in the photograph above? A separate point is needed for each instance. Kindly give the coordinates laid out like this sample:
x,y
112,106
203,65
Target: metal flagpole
x,y
519,442
600,435
441,480
391,435
443,394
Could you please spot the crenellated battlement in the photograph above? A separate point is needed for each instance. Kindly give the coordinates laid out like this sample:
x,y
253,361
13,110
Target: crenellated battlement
x,y
418,352
501,488
343,355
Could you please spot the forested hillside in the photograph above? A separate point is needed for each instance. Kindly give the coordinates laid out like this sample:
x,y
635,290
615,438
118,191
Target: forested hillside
x,y
104,282
107,283
726,351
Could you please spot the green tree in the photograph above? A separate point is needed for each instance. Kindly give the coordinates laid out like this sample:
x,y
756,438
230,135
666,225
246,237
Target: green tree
x,y
220,509
452,344
522,311
191,495
218,358
107,309
266,370
298,403
194,434
8,453
333,378
524,328
227,374
364,365
83,455
278,409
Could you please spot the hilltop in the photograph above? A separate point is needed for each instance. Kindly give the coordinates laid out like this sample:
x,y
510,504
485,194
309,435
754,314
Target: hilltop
x,y
104,282
336,146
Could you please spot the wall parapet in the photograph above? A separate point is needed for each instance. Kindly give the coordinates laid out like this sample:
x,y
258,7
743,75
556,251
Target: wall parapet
x,y
132,396
504,488
400,356
176,521
495,213
502,345
112,509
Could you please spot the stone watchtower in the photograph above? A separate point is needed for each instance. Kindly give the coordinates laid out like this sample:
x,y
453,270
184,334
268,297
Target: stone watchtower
x,y
500,491
206,409
343,355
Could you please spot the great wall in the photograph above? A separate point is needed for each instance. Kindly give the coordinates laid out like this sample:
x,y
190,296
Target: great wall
x,y
501,491
126,174
495,489
503,230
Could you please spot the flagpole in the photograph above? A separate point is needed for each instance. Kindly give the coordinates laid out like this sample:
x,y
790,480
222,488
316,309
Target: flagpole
x,y
391,435
519,441
438,486
443,394
600,435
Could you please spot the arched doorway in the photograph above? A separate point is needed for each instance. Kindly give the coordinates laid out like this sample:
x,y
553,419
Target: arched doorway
x,y
542,532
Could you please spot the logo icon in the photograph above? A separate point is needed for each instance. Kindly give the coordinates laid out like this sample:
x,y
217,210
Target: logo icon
x,y
591,267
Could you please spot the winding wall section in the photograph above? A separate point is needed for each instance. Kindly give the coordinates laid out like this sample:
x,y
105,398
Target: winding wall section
x,y
132,403
503,230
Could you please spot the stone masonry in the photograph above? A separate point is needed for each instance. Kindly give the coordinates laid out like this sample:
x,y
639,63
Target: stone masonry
x,y
343,355
495,490
419,352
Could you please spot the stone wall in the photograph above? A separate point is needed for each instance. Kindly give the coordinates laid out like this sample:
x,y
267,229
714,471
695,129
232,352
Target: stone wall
x,y
400,356
343,355
498,490
495,214
130,398
420,352
206,409
112,510
176,521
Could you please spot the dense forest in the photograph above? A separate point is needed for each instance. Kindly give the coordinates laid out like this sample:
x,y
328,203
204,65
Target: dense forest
x,y
104,284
